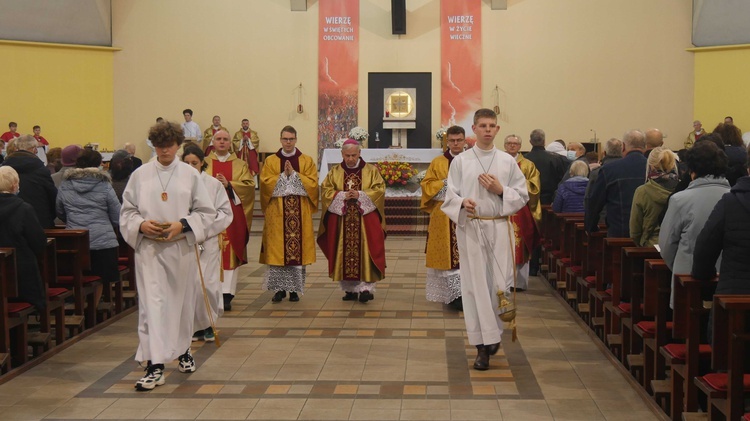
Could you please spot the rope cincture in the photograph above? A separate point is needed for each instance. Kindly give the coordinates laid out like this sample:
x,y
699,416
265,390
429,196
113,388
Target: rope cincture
x,y
205,298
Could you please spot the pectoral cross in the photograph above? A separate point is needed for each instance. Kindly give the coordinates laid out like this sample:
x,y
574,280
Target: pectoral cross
x,y
350,184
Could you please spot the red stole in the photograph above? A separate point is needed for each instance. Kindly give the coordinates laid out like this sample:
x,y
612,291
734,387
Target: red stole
x,y
250,155
8,136
292,214
527,231
237,231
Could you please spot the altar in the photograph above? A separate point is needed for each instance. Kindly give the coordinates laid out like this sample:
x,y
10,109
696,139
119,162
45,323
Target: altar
x,y
402,214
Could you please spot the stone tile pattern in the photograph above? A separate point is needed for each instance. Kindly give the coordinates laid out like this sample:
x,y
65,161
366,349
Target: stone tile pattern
x,y
397,357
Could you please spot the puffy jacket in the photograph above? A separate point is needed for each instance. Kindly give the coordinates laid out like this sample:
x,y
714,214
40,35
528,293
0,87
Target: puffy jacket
x,y
727,231
645,215
570,195
37,188
87,201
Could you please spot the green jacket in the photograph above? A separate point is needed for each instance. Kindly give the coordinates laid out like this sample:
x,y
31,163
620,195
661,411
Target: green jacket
x,y
648,202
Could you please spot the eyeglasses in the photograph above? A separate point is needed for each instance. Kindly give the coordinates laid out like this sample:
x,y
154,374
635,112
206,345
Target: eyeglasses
x,y
288,139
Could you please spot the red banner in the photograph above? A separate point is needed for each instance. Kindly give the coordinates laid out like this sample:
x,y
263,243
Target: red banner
x,y
338,70
461,58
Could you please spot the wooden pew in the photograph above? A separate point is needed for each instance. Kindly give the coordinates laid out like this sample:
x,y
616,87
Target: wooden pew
x,y
567,232
613,311
631,289
548,241
593,280
657,286
72,260
727,390
13,315
572,272
55,296
689,318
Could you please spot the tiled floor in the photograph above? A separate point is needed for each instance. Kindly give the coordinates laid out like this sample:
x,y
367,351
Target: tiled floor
x,y
398,357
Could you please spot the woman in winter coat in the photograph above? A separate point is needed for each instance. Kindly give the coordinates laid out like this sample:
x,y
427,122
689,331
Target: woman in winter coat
x,y
20,229
649,199
570,193
86,200
689,209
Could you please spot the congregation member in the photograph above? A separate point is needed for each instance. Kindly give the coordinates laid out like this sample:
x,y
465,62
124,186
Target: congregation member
x,y
245,145
120,169
42,144
234,175
288,198
54,163
695,135
689,209
614,187
68,158
166,212
86,200
3,152
558,147
37,187
130,148
649,199
526,221
552,168
20,229
728,120
725,234
575,152
12,132
210,295
612,152
485,187
190,128
654,139
734,147
209,133
352,228
592,158
443,283
570,194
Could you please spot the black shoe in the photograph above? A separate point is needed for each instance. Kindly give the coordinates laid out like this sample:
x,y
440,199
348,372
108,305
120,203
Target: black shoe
x,y
457,304
350,296
293,296
366,296
279,296
482,362
514,289
492,349
228,302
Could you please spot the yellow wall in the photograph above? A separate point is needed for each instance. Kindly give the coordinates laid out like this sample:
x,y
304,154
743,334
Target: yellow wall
x,y
67,90
565,66
720,90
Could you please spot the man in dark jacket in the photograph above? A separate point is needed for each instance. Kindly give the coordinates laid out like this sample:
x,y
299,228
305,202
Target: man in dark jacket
x,y
552,167
37,188
612,152
615,186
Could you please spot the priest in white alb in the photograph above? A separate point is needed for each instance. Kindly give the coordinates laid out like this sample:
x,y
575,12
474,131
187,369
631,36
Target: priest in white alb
x,y
485,187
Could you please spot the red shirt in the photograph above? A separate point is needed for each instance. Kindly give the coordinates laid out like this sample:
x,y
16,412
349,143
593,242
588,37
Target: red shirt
x,y
41,140
8,136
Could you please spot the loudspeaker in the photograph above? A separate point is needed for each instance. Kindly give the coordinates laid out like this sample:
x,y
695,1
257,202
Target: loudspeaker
x,y
398,17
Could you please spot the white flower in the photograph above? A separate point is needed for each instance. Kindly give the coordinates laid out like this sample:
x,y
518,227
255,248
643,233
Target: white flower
x,y
359,134
340,143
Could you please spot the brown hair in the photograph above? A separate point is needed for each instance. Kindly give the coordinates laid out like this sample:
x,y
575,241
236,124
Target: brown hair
x,y
166,133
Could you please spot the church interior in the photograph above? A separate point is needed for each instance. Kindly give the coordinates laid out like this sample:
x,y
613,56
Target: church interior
x,y
596,337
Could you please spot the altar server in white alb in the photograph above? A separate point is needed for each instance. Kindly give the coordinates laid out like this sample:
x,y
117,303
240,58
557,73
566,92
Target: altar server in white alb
x,y
210,254
166,211
485,187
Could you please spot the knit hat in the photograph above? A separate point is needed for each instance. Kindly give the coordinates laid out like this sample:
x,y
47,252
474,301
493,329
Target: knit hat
x,y
69,155
119,155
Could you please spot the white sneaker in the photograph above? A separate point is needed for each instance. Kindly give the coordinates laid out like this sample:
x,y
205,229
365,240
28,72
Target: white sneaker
x,y
187,363
154,377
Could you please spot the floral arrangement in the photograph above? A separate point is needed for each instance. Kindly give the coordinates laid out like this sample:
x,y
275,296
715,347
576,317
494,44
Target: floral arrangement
x,y
340,143
359,134
420,176
396,173
440,133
